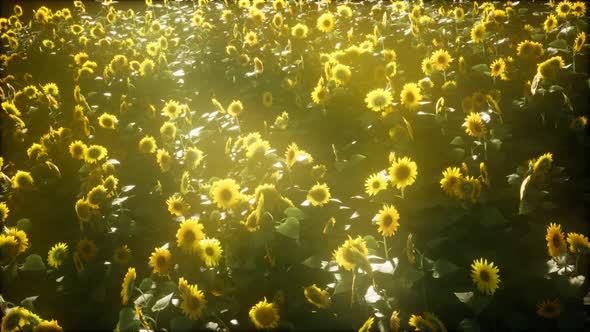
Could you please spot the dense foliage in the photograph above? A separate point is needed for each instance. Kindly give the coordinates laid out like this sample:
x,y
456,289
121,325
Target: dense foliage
x,y
294,165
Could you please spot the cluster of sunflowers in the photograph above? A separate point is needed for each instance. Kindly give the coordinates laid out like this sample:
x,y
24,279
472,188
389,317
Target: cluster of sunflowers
x,y
218,165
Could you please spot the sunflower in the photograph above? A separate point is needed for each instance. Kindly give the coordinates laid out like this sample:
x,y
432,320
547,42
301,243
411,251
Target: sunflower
x,y
549,69
78,150
84,209
235,108
319,194
172,109
451,178
550,23
57,255
549,309
579,123
51,89
474,126
427,66
211,251
317,296
8,249
264,315
193,302
48,326
477,33
351,253
410,95
441,59
320,94
189,233
325,22
147,145
435,322
146,68
555,240
578,242
497,67
468,188
161,260
3,212
257,150
291,154
378,99
164,160
87,249
420,323
578,9
95,153
530,50
193,157
128,285
272,197
97,195
19,319
543,164
22,180
579,42
403,172
168,131
375,183
122,255
225,193
341,74
388,220
299,31
177,206
563,8
251,38
485,276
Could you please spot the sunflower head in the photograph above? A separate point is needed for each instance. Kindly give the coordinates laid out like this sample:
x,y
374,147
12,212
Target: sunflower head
x,y
556,244
147,145
375,183
8,248
87,249
161,261
579,41
57,255
264,315
210,251
403,172
468,189
578,243
3,212
549,309
352,253
95,153
474,125
485,276
388,220
543,164
172,109
22,180
317,296
451,178
478,33
325,22
497,67
122,255
411,96
128,285
193,302
319,194
378,99
441,59
225,193
235,108
189,234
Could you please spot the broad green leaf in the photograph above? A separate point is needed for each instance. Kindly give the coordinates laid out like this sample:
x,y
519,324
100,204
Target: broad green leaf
x,y
34,263
162,303
127,321
295,213
289,228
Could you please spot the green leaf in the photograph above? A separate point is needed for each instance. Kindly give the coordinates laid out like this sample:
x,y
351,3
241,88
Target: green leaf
x,y
476,302
127,321
469,325
143,299
181,324
162,303
146,284
559,44
457,141
457,154
492,217
371,242
34,263
24,224
289,228
443,268
295,213
28,302
313,262
481,68
356,158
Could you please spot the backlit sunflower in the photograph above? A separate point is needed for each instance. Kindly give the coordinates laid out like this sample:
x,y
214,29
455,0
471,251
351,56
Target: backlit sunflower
x,y
97,195
22,180
8,249
78,150
193,302
530,50
468,189
3,212
84,209
325,22
579,42
193,157
161,260
291,154
128,285
168,131
95,153
474,126
549,69
164,160
265,315
352,253
578,243
317,296
147,145
172,109
543,164
210,251
411,96
549,309
320,93
451,178
48,326
319,194
122,255
485,276
225,193
427,66
378,99
235,108
441,59
189,233
251,38
177,206
272,197
375,183
497,67
57,255
420,323
550,23
388,220
403,172
257,150
563,8
341,74
87,249
299,31
555,240
19,319
477,33
578,9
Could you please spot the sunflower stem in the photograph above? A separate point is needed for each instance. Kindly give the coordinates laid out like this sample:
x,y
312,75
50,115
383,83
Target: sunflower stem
x,y
402,192
353,284
385,248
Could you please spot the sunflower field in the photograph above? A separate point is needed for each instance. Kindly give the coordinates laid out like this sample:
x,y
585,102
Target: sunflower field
x,y
294,165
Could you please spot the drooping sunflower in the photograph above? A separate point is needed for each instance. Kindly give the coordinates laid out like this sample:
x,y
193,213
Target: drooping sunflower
x,y
325,22
210,251
403,172
257,150
225,193
555,240
3,212
497,67
22,180
441,59
95,153
193,302
161,260
87,249
291,154
84,209
549,69
97,195
549,309
319,194
474,125
451,178
411,96
128,285
189,233
8,249
317,296
352,253
578,243
550,23
388,220
579,42
477,33
265,315
341,74
485,276
543,164
375,183
378,99
57,255
172,109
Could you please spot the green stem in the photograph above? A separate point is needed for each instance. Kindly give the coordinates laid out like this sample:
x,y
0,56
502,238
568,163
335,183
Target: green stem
x,y
385,248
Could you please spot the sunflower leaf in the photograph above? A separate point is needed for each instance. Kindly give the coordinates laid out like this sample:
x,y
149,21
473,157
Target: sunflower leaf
x,y
162,303
290,228
34,263
127,321
295,213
